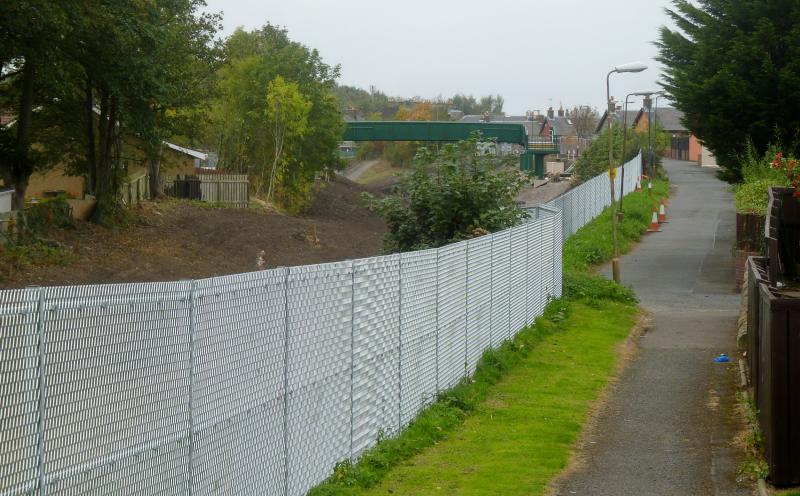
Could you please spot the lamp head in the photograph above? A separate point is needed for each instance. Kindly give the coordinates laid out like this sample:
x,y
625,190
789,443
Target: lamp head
x,y
631,67
647,92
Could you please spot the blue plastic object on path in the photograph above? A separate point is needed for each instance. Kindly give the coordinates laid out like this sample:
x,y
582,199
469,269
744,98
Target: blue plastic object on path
x,y
722,358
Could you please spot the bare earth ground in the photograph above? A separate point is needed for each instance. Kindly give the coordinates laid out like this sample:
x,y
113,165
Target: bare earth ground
x,y
183,240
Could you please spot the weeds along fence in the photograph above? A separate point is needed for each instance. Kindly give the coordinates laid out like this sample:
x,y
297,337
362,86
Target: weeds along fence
x,y
255,383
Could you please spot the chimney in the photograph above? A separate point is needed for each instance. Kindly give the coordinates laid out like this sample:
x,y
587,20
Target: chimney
x,y
561,111
550,113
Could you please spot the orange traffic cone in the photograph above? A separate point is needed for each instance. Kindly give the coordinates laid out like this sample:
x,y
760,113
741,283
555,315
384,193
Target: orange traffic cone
x,y
662,213
639,183
654,226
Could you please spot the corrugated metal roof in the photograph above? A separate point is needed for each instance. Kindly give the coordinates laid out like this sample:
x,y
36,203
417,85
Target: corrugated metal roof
x,y
187,151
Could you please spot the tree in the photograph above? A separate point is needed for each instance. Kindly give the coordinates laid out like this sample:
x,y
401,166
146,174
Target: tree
x,y
732,68
31,61
469,105
251,61
594,159
453,194
287,117
84,80
584,119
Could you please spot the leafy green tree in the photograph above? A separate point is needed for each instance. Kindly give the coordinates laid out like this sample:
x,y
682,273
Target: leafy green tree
x,y
594,160
470,105
733,68
364,102
251,61
453,194
84,80
32,62
287,118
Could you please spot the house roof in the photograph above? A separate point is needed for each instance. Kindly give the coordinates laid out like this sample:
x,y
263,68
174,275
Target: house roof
x,y
671,119
561,126
618,116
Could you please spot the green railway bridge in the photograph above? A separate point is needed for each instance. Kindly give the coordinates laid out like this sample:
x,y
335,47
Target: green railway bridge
x,y
536,147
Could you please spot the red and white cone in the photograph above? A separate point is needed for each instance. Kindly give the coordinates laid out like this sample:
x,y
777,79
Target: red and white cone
x,y
639,183
654,226
662,213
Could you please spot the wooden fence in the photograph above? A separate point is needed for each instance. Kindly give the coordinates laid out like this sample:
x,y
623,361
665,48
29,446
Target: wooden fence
x,y
224,189
136,188
773,348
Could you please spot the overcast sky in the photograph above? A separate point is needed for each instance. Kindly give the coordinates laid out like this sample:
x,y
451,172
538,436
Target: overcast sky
x,y
534,53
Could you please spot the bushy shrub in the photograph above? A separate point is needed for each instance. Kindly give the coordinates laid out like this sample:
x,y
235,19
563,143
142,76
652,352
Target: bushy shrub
x,y
451,195
37,219
752,195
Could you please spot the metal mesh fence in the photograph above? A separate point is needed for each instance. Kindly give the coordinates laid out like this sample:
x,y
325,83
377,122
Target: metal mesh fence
x,y
583,203
259,383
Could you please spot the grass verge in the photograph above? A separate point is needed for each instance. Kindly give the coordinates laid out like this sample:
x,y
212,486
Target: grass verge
x,y
511,428
751,440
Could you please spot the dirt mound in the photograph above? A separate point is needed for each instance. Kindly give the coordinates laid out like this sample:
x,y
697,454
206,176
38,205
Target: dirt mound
x,y
184,240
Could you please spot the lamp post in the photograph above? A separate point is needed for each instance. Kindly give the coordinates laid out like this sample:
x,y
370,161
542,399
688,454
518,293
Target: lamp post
x,y
658,95
625,143
632,67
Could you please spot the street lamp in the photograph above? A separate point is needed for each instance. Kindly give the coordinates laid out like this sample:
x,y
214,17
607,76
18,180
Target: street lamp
x,y
648,103
644,93
632,67
658,95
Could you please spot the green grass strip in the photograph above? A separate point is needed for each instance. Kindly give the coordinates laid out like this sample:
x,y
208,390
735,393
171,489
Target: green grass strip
x,y
511,427
521,435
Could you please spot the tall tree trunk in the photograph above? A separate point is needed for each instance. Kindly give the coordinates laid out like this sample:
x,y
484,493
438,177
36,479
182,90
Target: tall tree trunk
x,y
105,192
91,156
154,170
21,167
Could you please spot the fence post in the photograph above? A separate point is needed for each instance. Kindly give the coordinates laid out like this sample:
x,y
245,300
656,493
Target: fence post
x,y
510,262
286,381
527,274
466,312
399,342
436,311
352,350
558,243
491,289
40,386
192,329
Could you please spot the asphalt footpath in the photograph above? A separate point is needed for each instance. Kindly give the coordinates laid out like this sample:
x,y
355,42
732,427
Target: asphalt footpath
x,y
668,426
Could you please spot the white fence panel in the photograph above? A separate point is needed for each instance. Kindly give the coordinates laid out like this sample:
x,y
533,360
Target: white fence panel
x,y
452,314
501,282
519,278
19,387
238,383
117,384
376,350
479,300
320,305
418,336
